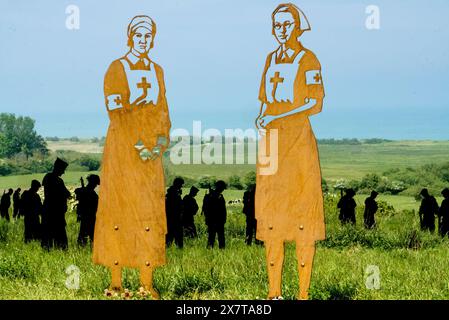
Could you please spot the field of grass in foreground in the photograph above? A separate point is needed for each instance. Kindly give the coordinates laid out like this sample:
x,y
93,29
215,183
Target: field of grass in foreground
x,y
239,272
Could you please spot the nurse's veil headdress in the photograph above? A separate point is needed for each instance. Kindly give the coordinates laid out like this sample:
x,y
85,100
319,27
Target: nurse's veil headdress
x,y
304,24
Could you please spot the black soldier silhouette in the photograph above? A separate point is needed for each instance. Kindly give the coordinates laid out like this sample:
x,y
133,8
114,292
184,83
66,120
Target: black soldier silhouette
x,y
5,203
427,211
215,214
190,208
31,210
444,213
206,200
249,211
16,203
174,210
87,208
347,207
55,206
370,210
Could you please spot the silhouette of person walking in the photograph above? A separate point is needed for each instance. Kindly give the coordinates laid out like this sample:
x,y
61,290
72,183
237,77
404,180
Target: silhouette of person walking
x,y
427,211
5,203
444,213
54,208
31,210
174,211
16,203
347,207
190,208
370,210
87,208
249,211
215,215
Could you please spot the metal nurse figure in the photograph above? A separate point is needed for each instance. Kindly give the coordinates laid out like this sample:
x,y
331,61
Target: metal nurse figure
x,y
289,200
131,222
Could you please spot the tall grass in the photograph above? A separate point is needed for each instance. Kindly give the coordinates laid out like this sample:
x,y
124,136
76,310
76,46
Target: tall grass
x,y
412,264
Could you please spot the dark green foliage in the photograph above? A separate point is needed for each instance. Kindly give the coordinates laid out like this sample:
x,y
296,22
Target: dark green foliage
x,y
250,179
206,182
18,137
344,141
375,141
235,183
92,164
18,167
54,139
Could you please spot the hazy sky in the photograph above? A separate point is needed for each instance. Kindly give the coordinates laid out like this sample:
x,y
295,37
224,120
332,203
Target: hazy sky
x,y
391,82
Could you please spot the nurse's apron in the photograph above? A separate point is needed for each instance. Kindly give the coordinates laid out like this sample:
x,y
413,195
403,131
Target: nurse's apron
x,y
288,199
143,85
280,80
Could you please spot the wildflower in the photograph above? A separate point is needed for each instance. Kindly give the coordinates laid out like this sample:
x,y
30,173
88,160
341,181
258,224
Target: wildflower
x,y
127,294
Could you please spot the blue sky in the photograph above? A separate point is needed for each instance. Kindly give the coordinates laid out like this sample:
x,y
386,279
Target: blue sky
x,y
391,82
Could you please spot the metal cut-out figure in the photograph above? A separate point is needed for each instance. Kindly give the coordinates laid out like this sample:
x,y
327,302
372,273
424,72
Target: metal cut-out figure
x,y
289,200
131,224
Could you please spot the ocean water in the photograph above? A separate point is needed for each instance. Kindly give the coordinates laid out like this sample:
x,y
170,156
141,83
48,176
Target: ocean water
x,y
395,124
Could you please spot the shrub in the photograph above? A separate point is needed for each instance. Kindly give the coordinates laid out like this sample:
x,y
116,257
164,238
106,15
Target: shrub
x,y
206,182
90,163
234,182
250,179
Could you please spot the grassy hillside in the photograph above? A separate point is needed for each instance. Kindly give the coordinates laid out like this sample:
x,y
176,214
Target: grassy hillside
x,y
337,161
239,271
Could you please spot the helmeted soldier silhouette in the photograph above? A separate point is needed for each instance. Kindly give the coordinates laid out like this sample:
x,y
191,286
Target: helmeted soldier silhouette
x,y
427,211
215,215
370,210
190,208
87,208
249,211
347,207
5,203
444,213
16,203
174,211
54,208
31,210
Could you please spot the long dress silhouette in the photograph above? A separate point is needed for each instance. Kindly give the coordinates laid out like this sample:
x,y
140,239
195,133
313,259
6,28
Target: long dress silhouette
x,y
288,200
131,224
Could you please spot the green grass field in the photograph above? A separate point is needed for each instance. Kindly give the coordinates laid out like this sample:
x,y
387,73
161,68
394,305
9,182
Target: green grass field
x,y
337,161
412,264
239,272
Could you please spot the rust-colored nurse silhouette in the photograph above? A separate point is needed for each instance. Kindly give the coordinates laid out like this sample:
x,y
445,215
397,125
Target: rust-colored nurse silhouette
x,y
131,224
289,201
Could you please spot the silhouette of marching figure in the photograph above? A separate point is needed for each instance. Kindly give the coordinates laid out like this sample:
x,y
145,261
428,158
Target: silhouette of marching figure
x,y
427,211
87,208
215,215
444,213
206,200
249,211
54,208
16,203
174,211
190,208
289,198
5,203
131,223
31,209
347,207
370,210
